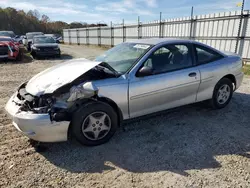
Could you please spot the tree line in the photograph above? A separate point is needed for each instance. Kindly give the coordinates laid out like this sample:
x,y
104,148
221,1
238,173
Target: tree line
x,y
21,22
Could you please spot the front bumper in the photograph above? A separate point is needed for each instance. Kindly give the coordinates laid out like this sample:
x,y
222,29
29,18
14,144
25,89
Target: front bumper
x,y
37,127
4,56
47,53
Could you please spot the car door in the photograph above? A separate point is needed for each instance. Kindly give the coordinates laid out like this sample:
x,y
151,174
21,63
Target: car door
x,y
174,81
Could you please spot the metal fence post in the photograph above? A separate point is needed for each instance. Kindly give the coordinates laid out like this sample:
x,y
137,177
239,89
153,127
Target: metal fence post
x,y
123,31
99,35
240,25
191,23
87,36
160,28
139,26
243,33
77,36
69,31
111,35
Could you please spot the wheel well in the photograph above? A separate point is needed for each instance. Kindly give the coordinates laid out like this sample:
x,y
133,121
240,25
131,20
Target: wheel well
x,y
232,78
114,106
104,100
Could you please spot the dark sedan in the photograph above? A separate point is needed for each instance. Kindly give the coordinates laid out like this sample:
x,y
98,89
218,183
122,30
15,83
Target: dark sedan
x,y
44,46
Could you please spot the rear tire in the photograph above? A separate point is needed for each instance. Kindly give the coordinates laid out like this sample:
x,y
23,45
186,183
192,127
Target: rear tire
x,y
222,95
94,123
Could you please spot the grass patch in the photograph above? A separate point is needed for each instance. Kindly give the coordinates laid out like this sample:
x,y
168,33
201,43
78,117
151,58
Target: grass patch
x,y
246,69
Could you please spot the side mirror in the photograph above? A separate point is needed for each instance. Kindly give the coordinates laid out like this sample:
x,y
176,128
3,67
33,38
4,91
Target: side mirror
x,y
25,37
145,71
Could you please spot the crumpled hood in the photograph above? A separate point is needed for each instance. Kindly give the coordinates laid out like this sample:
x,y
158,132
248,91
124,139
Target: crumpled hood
x,y
53,78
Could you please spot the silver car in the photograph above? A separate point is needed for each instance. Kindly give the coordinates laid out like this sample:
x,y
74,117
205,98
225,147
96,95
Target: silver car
x,y
90,99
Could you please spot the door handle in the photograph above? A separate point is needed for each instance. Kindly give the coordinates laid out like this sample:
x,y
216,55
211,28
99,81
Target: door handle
x,y
192,74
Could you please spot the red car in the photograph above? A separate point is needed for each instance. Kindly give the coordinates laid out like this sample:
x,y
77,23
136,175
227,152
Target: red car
x,y
9,49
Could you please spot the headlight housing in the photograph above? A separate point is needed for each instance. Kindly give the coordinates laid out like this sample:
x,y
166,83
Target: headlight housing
x,y
56,48
85,90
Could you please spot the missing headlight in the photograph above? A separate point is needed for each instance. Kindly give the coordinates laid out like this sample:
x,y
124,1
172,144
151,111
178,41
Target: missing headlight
x,y
85,90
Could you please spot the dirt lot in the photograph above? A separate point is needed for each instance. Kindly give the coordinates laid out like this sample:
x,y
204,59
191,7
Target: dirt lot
x,y
192,146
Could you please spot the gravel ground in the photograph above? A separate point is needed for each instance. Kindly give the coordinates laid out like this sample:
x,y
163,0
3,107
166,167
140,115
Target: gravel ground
x,y
192,146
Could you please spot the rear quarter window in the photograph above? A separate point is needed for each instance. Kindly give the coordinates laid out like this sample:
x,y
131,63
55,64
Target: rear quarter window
x,y
205,55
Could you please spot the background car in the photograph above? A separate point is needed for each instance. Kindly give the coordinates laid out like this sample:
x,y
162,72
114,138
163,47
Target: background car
x,y
19,39
57,37
11,34
27,41
59,40
90,99
44,46
10,49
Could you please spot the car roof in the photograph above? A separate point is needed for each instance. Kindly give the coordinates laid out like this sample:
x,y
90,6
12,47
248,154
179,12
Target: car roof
x,y
7,31
41,36
34,33
6,37
155,41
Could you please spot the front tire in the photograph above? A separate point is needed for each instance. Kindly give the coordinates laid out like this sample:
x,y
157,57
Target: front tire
x,y
20,55
222,95
34,55
94,123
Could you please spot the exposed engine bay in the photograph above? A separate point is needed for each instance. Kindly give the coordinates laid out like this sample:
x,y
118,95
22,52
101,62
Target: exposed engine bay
x,y
64,101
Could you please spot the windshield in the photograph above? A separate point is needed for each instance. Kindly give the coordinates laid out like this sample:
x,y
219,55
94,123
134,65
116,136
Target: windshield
x,y
7,33
123,56
38,40
31,35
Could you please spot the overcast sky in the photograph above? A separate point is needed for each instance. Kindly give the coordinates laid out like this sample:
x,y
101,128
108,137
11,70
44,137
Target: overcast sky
x,y
95,11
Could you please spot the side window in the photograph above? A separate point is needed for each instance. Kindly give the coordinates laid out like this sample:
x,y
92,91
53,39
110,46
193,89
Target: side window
x,y
205,55
162,50
169,58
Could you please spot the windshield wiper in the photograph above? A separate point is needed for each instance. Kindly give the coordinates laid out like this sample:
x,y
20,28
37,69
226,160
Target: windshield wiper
x,y
107,66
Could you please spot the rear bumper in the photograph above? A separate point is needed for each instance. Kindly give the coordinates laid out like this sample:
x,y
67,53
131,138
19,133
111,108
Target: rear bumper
x,y
38,127
239,79
8,56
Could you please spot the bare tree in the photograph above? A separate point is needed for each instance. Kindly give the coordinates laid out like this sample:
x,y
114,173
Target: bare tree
x,y
45,18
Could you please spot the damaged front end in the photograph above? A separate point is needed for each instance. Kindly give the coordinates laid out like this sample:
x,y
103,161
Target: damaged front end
x,y
43,107
9,50
46,118
60,106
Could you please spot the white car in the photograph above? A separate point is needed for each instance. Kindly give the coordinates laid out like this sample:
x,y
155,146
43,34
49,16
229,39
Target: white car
x,y
28,38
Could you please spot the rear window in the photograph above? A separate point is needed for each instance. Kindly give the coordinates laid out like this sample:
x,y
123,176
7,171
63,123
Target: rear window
x,y
205,55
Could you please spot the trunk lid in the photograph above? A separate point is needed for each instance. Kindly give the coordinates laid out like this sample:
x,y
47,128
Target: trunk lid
x,y
231,54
